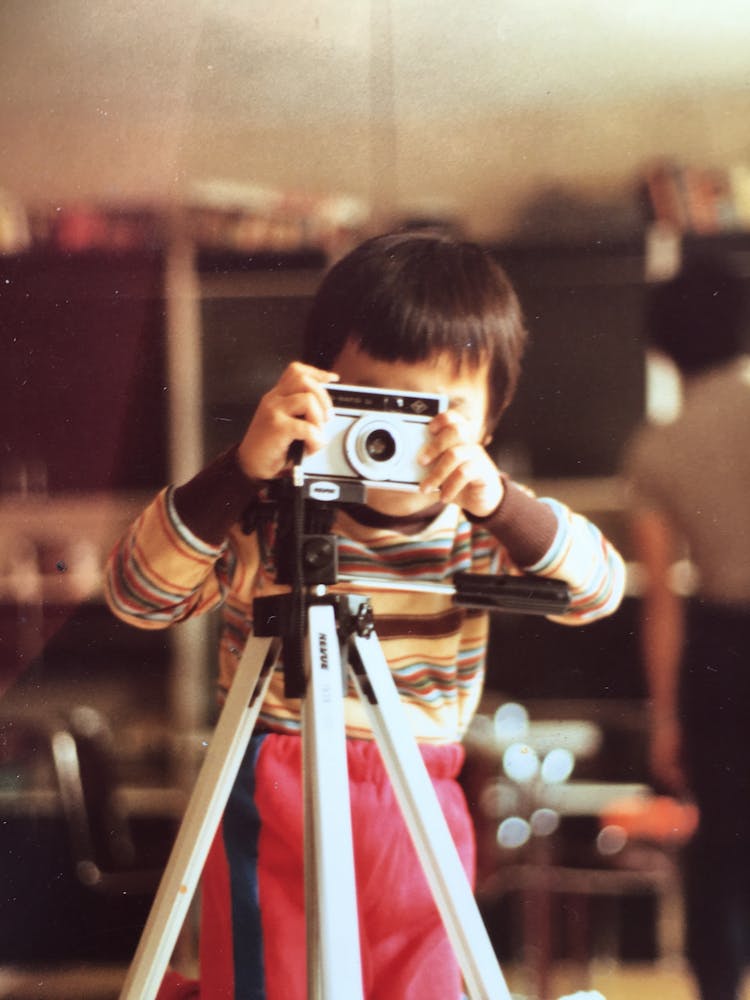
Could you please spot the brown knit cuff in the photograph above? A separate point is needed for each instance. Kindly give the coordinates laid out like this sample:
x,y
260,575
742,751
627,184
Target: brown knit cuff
x,y
524,524
216,498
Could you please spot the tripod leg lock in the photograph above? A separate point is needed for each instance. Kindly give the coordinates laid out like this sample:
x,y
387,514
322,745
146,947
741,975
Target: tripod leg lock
x,y
277,615
360,617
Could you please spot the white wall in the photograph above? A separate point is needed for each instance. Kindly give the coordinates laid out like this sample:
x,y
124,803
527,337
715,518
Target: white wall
x,y
408,104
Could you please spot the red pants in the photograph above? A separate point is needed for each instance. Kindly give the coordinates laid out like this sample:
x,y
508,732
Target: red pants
x,y
252,904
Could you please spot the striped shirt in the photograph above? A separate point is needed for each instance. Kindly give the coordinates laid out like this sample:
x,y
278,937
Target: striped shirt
x,y
161,573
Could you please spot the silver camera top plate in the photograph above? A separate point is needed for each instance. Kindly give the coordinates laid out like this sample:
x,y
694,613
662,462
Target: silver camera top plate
x,y
366,400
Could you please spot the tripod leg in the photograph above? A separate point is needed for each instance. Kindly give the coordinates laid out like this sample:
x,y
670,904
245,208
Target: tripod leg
x,y
333,952
424,818
201,820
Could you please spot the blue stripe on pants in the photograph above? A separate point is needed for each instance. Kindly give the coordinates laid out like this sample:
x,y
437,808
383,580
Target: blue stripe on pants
x,y
241,829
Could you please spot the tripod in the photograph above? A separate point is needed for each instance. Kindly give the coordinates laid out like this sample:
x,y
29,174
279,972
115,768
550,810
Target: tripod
x,y
340,641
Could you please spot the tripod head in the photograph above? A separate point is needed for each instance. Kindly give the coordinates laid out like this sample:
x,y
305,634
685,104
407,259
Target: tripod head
x,y
306,550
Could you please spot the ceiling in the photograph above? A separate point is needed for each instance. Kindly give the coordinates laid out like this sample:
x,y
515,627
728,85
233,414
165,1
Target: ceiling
x,y
333,93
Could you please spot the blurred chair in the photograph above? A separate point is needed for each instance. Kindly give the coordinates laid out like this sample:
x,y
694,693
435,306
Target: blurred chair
x,y
83,852
101,838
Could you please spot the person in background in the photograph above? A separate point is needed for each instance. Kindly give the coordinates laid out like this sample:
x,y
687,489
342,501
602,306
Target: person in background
x,y
689,490
417,313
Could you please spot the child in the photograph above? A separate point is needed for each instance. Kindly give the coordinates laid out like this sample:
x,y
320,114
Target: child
x,y
413,312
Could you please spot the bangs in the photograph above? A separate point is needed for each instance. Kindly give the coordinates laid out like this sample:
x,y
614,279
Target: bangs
x,y
412,296
417,330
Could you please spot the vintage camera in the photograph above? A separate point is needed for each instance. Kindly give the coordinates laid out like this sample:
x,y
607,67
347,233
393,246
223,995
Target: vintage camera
x,y
375,435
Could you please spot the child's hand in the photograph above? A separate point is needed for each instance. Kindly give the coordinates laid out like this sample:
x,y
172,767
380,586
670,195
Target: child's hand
x,y
460,468
294,410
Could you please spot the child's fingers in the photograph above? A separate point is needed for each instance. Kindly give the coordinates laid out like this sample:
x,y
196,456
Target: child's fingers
x,y
463,473
305,406
289,418
298,369
455,483
444,437
306,432
445,465
298,393
296,409
298,376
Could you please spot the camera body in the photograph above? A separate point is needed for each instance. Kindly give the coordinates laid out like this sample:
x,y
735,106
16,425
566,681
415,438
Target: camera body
x,y
375,436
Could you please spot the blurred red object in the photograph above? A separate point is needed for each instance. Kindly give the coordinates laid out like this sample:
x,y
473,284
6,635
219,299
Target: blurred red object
x,y
659,818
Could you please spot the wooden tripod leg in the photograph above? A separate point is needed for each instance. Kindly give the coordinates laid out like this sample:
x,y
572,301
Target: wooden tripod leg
x,y
202,816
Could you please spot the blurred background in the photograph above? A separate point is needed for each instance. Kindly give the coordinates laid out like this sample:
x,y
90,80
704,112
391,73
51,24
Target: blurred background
x,y
174,180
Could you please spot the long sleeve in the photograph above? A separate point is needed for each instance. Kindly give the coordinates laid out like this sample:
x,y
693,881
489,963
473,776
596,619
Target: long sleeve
x,y
544,537
176,560
588,562
160,572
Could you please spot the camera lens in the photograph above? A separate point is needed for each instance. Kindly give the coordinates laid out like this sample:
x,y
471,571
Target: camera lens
x,y
374,445
380,445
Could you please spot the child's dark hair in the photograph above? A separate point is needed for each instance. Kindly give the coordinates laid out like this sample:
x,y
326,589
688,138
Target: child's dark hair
x,y
696,318
409,296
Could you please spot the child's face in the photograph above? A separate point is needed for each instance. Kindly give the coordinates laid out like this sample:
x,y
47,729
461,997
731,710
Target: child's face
x,y
466,388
